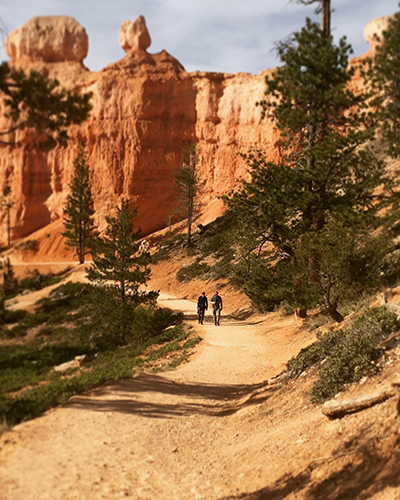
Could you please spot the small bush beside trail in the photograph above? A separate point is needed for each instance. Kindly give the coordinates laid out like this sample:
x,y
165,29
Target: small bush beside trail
x,y
346,356
195,270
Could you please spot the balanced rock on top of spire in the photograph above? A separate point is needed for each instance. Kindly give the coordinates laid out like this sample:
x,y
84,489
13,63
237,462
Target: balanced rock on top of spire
x,y
133,35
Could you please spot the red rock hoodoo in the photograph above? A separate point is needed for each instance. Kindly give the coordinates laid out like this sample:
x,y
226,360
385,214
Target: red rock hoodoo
x,y
146,109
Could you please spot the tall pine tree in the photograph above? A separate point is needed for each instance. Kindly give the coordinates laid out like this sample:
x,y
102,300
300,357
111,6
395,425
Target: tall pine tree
x,y
117,260
326,178
188,186
78,210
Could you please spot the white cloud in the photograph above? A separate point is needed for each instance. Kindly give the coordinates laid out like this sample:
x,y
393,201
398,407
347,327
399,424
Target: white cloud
x,y
215,35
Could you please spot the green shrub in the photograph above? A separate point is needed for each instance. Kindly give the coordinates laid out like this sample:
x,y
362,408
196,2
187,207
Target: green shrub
x,y
348,362
195,270
164,247
30,245
35,319
349,354
11,317
149,323
307,357
191,342
38,281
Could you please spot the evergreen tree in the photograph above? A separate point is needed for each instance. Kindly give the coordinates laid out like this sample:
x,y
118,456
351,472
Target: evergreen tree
x,y
326,177
383,74
10,282
38,102
7,204
188,186
325,9
78,212
116,258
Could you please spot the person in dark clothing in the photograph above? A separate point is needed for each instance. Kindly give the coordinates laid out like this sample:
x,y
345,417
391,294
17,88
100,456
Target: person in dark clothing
x,y
216,302
202,306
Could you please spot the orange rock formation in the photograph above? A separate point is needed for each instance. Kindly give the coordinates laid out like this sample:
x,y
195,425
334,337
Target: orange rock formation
x,y
146,109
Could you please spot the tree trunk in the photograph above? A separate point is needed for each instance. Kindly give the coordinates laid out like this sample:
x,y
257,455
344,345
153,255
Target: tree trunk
x,y
301,313
326,17
8,227
334,313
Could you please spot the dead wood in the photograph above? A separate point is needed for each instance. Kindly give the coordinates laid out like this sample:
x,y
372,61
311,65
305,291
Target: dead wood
x,y
384,343
337,409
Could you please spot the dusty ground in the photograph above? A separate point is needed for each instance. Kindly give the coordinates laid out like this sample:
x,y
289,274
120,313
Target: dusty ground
x,y
213,428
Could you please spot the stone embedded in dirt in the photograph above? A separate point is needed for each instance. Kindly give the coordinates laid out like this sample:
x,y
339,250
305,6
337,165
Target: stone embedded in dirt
x,y
49,39
133,35
81,359
66,366
75,363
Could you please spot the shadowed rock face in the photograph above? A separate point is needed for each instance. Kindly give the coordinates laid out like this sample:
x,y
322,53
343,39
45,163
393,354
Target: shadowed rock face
x,y
146,109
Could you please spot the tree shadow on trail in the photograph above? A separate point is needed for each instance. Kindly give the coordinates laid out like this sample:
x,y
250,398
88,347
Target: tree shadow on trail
x,y
366,472
141,396
227,320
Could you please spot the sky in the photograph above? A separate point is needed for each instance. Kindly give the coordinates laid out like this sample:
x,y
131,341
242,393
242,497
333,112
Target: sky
x,y
207,35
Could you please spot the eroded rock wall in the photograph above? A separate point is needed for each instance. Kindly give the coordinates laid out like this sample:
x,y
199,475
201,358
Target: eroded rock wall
x,y
146,109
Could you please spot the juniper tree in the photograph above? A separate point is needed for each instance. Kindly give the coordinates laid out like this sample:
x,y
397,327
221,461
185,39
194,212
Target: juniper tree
x,y
326,175
39,102
78,210
117,261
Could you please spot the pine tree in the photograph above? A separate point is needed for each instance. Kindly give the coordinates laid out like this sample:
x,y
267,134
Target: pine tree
x,y
327,177
116,258
78,212
188,186
325,10
38,102
383,74
6,204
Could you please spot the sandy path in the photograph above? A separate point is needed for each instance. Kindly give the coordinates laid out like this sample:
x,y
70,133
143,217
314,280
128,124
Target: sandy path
x,y
185,434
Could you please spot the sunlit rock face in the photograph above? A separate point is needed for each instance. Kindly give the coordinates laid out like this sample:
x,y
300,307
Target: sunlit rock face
x,y
48,39
146,110
373,32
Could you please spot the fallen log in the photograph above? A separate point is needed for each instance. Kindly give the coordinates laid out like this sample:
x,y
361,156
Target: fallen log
x,y
337,409
387,341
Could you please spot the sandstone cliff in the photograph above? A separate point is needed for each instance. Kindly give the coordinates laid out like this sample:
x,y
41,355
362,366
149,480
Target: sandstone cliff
x,y
146,109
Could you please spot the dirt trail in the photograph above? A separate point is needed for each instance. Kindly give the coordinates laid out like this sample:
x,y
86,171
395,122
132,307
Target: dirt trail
x,y
213,429
180,435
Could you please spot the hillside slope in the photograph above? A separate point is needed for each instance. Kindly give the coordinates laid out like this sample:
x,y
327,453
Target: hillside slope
x,y
213,429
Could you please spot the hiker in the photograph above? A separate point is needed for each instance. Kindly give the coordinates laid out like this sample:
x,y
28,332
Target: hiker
x,y
216,302
202,306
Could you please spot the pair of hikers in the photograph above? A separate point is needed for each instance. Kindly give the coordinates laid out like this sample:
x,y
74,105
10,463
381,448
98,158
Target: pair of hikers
x,y
202,306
